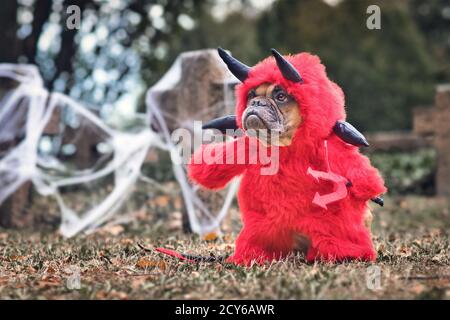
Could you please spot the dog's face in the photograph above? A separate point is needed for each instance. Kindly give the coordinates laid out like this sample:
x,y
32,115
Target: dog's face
x,y
271,109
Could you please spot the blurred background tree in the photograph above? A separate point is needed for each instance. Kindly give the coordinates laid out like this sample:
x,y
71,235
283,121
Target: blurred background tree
x,y
103,61
384,73
433,19
124,46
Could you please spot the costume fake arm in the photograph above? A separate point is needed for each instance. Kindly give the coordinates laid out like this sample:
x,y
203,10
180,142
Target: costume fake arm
x,y
366,182
214,165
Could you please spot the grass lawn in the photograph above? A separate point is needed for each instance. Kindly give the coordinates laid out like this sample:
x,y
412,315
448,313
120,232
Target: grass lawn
x,y
117,262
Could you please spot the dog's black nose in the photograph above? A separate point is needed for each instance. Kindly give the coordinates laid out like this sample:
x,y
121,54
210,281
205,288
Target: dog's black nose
x,y
259,103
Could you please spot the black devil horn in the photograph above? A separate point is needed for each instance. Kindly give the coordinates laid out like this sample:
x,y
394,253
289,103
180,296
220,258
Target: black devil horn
x,y
237,68
349,134
379,201
287,69
222,124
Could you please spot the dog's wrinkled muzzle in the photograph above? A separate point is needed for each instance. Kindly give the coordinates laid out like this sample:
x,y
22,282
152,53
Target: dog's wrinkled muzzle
x,y
253,121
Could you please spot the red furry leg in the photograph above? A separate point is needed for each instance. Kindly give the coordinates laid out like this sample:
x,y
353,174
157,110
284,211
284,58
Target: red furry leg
x,y
252,245
247,252
249,257
331,249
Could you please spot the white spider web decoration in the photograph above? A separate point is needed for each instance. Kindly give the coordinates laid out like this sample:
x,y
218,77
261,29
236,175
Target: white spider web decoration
x,y
201,219
27,109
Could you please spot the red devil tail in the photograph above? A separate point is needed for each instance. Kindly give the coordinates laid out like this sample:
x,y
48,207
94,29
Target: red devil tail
x,y
190,257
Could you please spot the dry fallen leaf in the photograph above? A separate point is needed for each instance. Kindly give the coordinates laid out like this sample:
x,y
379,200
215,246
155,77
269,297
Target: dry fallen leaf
x,y
175,225
101,295
49,281
31,269
162,265
114,230
162,201
126,242
418,289
178,203
435,232
403,204
145,263
137,282
118,295
404,251
17,258
141,214
4,280
177,215
50,270
116,261
210,236
228,247
227,237
44,284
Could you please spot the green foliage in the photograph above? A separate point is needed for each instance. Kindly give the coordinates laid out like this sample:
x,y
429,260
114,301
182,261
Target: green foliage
x,y
236,33
384,73
433,19
407,172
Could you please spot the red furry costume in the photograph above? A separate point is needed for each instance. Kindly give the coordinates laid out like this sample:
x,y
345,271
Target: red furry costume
x,y
277,207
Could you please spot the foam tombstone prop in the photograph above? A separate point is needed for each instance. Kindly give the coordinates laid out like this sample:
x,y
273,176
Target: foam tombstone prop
x,y
318,199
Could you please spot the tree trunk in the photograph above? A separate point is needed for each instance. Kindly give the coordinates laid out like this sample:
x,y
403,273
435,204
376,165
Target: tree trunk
x,y
42,10
8,27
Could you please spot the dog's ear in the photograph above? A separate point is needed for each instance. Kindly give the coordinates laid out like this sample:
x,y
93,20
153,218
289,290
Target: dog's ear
x,y
222,124
349,134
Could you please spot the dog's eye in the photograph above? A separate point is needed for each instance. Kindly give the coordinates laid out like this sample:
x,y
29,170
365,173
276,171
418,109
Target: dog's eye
x,y
251,94
281,96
